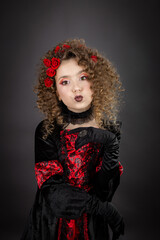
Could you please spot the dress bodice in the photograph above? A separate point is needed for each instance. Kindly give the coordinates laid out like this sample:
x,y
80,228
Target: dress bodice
x,y
79,165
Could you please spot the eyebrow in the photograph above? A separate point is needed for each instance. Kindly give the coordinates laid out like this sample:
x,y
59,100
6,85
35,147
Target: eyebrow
x,y
69,76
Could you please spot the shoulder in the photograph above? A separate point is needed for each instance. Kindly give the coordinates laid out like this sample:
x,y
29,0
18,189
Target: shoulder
x,y
39,129
114,128
45,126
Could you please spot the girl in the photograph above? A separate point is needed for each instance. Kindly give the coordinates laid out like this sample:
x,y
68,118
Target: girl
x,y
76,147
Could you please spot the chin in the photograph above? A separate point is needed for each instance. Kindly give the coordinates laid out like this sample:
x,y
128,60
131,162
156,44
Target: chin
x,y
78,110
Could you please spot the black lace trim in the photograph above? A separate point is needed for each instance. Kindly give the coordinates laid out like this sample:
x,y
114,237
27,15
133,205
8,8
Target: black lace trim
x,y
76,118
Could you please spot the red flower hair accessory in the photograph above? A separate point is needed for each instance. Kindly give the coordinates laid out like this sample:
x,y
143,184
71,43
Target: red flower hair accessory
x,y
50,72
94,58
66,46
47,62
55,63
57,49
52,65
48,82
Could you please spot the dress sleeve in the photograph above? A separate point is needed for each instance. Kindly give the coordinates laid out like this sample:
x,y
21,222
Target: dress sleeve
x,y
47,165
105,187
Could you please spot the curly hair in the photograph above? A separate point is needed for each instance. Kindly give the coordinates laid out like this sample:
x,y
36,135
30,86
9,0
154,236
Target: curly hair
x,y
106,85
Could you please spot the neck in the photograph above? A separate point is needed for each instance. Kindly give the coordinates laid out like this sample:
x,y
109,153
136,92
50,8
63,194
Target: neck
x,y
91,123
76,118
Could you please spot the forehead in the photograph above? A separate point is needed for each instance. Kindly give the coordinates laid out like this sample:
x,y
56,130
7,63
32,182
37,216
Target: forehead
x,y
68,67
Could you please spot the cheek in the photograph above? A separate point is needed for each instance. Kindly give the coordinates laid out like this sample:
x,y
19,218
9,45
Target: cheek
x,y
59,91
88,87
62,91
59,88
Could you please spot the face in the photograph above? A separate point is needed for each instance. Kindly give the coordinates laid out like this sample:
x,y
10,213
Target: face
x,y
73,87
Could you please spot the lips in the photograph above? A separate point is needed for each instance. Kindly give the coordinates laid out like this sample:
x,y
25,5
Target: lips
x,y
78,98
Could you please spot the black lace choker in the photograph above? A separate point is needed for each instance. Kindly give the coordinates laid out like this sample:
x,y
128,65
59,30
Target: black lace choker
x,y
76,118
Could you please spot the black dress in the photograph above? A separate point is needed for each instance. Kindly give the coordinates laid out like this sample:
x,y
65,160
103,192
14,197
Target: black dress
x,y
57,161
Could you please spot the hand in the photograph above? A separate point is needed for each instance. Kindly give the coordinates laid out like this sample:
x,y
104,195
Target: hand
x,y
117,225
66,201
106,209
118,231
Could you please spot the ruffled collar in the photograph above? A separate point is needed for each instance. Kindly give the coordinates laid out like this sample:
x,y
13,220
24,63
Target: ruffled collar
x,y
76,118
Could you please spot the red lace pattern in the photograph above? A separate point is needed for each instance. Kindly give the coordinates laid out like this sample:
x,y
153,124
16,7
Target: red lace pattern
x,y
81,164
71,229
120,168
44,170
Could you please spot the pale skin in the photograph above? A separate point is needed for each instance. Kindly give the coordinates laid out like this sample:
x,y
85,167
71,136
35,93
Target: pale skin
x,y
72,82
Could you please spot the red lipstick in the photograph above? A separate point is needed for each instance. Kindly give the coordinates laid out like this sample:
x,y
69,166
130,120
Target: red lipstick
x,y
78,98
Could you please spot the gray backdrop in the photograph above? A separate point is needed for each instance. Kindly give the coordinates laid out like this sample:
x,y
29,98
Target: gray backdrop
x,y
127,32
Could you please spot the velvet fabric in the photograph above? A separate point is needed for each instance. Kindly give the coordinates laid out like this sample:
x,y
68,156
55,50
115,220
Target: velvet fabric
x,y
59,162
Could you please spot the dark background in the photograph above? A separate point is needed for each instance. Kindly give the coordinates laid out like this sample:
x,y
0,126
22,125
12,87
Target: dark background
x,y
126,32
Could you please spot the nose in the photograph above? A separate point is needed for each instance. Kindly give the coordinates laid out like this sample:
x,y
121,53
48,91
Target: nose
x,y
76,88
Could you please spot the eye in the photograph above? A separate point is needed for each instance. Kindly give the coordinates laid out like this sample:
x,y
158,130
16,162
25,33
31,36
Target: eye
x,y
64,82
84,77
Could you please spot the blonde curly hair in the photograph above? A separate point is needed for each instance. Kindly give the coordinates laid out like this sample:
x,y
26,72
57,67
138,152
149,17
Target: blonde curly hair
x,y
106,85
